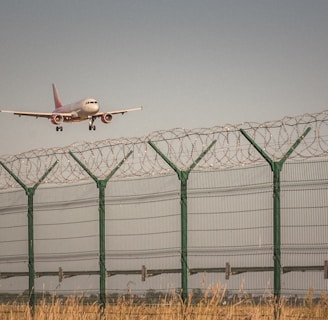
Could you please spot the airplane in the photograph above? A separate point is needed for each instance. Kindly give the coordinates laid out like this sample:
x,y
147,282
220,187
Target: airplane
x,y
86,109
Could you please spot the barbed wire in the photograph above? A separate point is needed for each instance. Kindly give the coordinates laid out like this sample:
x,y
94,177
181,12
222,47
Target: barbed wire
x,y
181,146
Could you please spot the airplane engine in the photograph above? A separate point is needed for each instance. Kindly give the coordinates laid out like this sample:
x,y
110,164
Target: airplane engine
x,y
57,119
106,118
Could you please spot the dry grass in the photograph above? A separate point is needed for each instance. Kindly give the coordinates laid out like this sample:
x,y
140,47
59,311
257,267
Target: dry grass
x,y
211,306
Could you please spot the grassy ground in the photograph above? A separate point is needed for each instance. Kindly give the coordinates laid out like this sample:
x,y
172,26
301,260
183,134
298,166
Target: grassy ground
x,y
213,307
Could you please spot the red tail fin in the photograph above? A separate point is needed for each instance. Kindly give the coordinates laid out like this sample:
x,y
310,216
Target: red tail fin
x,y
58,103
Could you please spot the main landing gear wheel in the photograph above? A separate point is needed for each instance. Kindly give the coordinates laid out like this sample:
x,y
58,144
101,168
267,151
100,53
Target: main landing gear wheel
x,y
92,127
59,128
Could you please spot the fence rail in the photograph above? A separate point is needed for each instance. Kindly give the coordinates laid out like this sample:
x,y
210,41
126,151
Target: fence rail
x,y
156,272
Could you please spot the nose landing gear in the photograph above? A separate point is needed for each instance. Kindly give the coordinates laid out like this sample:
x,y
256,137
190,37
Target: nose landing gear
x,y
91,125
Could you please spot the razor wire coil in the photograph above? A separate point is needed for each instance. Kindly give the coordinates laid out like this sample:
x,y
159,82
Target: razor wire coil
x,y
181,146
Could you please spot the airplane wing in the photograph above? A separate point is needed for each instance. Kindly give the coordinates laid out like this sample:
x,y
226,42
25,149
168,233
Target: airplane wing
x,y
47,115
99,114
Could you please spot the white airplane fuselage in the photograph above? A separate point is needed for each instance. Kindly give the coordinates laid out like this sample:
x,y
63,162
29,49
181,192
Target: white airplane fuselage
x,y
80,110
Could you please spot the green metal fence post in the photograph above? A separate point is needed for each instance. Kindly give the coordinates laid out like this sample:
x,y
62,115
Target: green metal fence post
x,y
101,185
276,167
31,269
30,191
183,176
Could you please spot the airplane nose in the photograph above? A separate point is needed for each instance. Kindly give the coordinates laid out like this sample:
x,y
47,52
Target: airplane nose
x,y
91,106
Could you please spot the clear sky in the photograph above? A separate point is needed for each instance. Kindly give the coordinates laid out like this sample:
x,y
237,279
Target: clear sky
x,y
189,63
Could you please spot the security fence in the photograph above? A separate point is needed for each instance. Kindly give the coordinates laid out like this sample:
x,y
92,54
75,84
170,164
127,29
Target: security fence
x,y
244,206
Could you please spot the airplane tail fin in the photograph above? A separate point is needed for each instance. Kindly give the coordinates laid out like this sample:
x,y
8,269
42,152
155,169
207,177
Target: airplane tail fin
x,y
58,103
